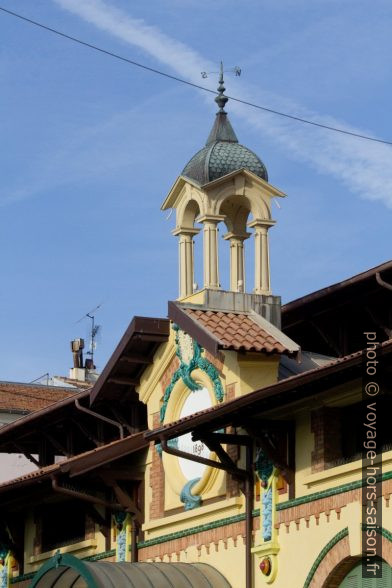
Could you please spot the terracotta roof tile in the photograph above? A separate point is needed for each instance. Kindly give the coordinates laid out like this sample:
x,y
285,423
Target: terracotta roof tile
x,y
26,398
236,331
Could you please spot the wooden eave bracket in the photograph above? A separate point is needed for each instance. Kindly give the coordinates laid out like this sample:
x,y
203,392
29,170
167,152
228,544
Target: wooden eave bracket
x,y
122,496
271,452
227,465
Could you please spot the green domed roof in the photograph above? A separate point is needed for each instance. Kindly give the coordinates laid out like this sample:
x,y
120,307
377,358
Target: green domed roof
x,y
221,158
222,153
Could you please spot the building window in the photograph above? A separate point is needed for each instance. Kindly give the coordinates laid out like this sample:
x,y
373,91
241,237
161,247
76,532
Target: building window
x,y
62,524
339,434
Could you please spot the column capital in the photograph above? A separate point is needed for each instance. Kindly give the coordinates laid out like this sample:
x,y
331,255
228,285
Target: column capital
x,y
185,231
211,218
238,236
261,223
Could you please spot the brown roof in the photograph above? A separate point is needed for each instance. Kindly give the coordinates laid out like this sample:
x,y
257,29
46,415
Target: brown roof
x,y
25,398
368,275
236,330
82,463
115,384
29,478
283,392
127,363
37,419
331,321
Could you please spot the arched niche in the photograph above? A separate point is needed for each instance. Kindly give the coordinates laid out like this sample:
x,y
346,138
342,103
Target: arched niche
x,y
189,210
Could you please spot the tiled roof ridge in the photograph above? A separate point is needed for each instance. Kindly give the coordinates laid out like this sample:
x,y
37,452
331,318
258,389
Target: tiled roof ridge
x,y
250,335
187,306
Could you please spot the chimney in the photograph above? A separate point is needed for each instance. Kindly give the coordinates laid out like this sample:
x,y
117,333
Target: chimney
x,y
77,372
77,346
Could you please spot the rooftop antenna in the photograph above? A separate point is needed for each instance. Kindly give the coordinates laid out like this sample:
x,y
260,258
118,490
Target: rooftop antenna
x,y
94,330
46,376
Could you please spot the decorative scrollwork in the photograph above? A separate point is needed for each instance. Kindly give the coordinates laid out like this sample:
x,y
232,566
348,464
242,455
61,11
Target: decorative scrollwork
x,y
189,352
190,500
264,467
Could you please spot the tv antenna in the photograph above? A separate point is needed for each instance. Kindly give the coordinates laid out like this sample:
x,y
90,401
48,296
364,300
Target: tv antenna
x,y
94,331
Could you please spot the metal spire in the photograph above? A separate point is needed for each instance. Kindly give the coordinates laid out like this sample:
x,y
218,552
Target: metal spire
x,y
221,99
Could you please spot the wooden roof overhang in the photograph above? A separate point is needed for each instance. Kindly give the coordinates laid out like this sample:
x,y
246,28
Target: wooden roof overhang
x,y
252,414
110,409
241,410
133,353
109,477
331,321
85,475
25,434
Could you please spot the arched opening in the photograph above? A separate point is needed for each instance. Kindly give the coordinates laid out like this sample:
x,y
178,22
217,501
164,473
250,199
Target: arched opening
x,y
189,248
238,253
198,258
335,567
189,214
354,577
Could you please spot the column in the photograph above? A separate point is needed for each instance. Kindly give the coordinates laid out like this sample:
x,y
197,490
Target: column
x,y
237,261
210,247
262,264
185,259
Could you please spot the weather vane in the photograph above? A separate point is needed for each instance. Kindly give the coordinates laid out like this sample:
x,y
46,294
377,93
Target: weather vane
x,y
235,70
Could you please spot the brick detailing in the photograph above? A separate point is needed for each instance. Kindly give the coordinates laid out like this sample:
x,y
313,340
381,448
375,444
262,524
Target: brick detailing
x,y
216,361
167,376
230,392
157,480
209,538
327,429
334,561
330,556
232,486
334,578
323,505
386,546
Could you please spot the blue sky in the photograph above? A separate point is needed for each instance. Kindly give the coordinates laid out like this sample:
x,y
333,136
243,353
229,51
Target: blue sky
x,y
91,147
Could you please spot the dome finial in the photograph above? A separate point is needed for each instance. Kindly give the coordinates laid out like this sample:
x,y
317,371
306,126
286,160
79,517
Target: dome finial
x,y
221,99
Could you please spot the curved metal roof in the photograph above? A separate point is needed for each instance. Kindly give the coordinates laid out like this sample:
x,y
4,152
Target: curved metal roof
x,y
222,155
66,571
221,158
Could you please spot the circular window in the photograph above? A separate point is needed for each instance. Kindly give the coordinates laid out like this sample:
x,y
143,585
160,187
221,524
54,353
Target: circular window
x,y
195,401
